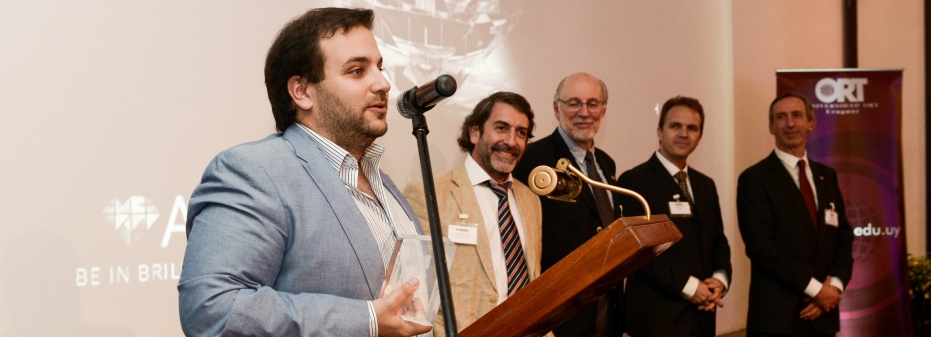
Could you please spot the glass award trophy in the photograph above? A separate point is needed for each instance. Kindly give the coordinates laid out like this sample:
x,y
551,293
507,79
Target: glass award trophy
x,y
413,258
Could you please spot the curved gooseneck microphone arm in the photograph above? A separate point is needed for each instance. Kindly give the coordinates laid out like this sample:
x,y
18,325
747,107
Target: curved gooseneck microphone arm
x,y
564,183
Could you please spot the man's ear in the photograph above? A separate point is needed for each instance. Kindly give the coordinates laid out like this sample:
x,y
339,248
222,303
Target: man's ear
x,y
475,134
303,94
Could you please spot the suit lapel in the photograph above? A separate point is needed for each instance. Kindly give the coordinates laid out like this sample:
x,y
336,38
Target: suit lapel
x,y
821,188
341,203
670,186
524,203
790,189
608,172
399,196
700,199
464,196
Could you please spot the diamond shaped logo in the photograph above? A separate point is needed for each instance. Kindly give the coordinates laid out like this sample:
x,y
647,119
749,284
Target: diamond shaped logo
x,y
130,219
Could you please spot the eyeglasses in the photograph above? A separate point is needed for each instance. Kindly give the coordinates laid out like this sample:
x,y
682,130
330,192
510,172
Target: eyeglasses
x,y
574,105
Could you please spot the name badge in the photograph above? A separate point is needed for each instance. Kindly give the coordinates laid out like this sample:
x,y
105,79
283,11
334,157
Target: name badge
x,y
830,216
464,235
680,209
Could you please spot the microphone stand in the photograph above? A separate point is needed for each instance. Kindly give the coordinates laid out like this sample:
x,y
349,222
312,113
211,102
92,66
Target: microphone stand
x,y
439,252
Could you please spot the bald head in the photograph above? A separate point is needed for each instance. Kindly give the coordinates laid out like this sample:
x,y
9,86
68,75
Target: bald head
x,y
581,78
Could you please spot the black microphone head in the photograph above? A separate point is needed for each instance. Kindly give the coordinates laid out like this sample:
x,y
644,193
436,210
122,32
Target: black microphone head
x,y
406,104
446,85
421,99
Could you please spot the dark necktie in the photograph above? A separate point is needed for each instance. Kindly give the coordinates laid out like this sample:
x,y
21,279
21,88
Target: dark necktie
x,y
510,240
605,211
807,193
683,179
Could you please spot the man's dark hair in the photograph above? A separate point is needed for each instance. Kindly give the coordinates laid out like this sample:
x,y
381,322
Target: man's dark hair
x,y
296,52
482,112
684,101
808,109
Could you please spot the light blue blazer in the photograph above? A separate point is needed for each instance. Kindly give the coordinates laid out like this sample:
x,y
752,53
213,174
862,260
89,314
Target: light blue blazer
x,y
277,247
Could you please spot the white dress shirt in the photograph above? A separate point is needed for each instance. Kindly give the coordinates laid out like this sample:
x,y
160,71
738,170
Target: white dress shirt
x,y
488,203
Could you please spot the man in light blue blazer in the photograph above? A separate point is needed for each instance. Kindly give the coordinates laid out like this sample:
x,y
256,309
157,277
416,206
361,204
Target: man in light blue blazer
x,y
290,235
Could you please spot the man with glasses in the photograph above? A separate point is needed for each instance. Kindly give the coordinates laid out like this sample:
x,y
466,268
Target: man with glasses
x,y
580,104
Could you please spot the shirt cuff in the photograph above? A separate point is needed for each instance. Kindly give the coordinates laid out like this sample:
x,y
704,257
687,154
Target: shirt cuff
x,y
373,320
690,287
835,281
814,287
720,275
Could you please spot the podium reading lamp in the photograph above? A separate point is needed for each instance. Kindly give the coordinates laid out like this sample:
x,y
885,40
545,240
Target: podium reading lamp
x,y
585,274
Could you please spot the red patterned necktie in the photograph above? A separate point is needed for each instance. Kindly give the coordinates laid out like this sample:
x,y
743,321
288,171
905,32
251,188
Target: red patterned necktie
x,y
807,193
510,240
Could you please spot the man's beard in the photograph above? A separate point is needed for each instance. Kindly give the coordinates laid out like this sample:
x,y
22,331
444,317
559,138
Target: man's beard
x,y
579,136
349,128
500,167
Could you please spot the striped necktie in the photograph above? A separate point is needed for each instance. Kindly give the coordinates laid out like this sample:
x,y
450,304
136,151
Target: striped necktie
x,y
683,179
510,240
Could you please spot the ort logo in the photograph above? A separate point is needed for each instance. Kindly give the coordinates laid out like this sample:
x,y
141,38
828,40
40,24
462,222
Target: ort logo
x,y
841,90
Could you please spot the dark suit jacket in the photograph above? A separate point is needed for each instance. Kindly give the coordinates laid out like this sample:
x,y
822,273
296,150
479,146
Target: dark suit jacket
x,y
655,306
786,249
566,226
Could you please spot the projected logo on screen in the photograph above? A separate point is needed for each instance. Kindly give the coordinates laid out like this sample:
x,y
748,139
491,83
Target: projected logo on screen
x,y
423,39
131,218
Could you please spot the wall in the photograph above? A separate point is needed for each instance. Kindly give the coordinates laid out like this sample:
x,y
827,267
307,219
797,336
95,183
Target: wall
x,y
892,37
769,35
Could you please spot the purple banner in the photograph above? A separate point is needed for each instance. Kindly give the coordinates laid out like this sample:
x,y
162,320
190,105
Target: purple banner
x,y
858,133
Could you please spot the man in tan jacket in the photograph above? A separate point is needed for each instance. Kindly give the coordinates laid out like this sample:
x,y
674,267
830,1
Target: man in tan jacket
x,y
495,218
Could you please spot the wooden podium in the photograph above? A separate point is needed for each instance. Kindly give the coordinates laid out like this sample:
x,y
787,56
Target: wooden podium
x,y
579,278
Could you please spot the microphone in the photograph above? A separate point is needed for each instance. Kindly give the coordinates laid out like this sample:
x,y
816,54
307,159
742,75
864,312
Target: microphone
x,y
422,99
554,183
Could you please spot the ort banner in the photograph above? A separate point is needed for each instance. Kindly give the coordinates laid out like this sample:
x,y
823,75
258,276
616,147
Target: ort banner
x,y
858,133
